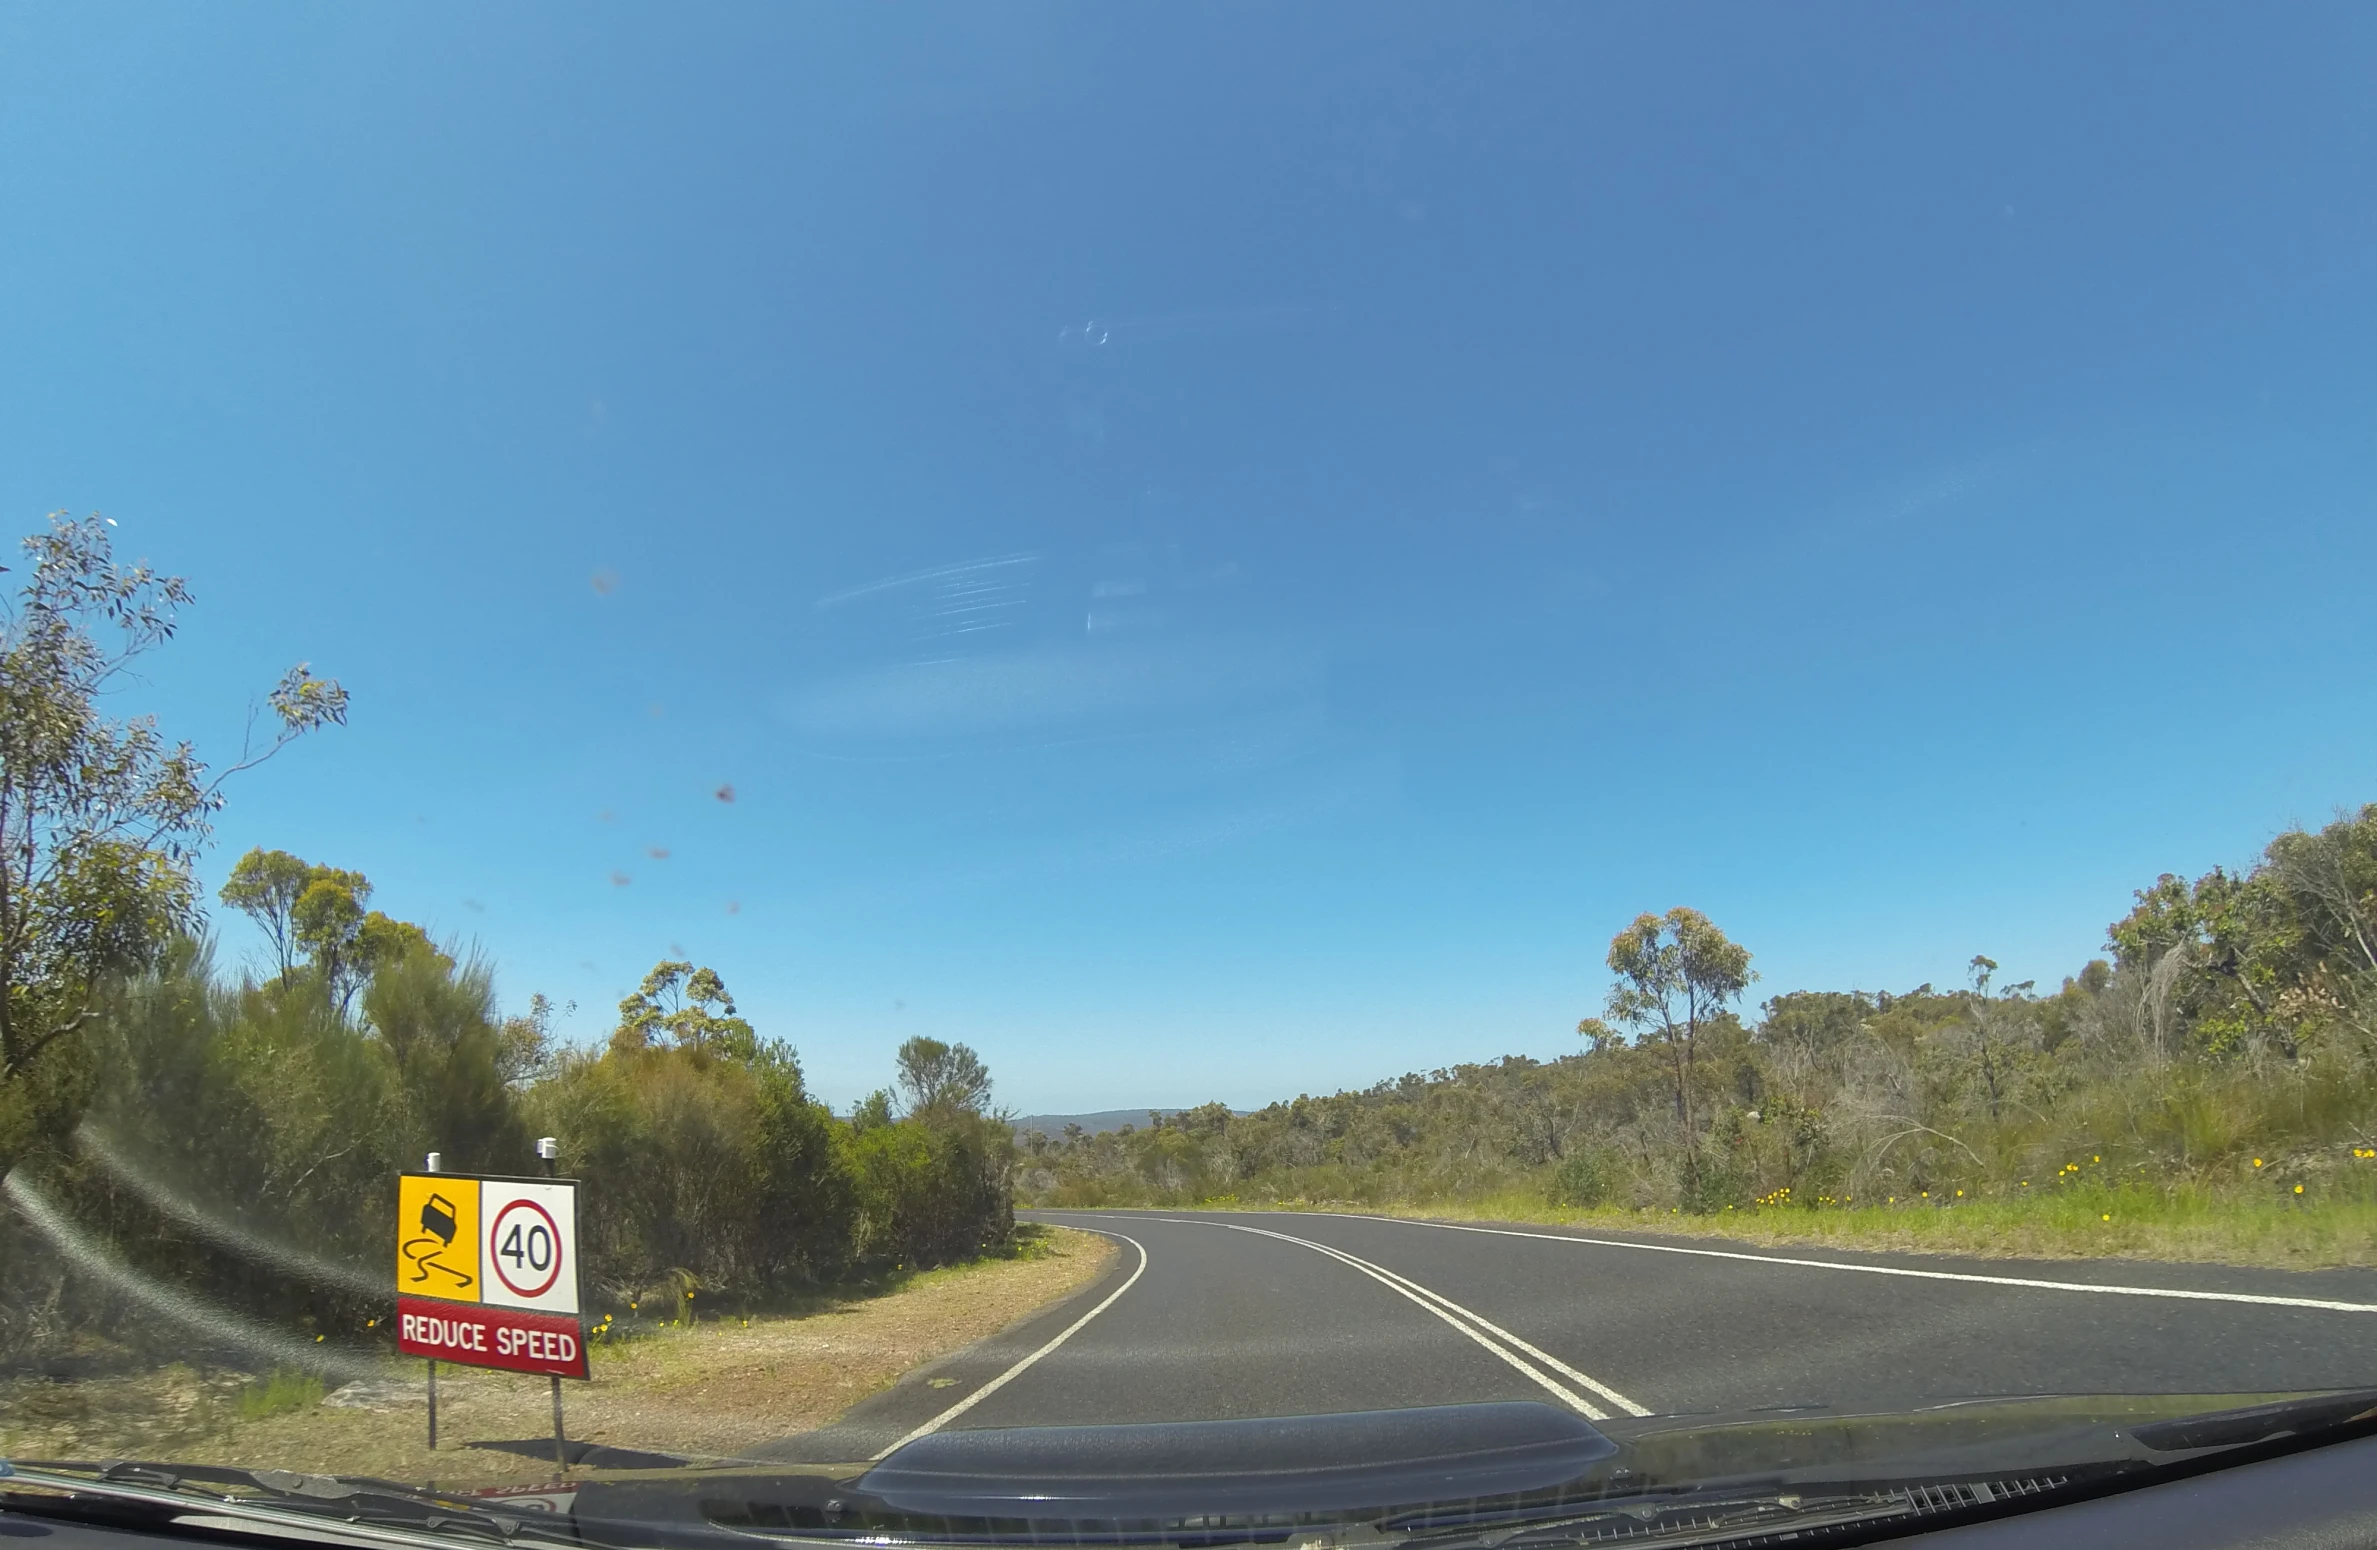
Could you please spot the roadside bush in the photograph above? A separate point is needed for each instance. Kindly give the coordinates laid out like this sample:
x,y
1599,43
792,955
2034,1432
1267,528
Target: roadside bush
x,y
1582,1179
932,1193
720,1168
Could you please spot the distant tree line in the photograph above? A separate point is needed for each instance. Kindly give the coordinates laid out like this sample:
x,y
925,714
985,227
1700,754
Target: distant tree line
x,y
2228,1040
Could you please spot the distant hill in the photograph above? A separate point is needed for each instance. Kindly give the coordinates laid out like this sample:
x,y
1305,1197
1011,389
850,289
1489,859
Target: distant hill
x,y
1093,1124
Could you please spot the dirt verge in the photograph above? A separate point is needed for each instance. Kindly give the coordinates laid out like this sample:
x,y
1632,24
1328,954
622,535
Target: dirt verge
x,y
707,1391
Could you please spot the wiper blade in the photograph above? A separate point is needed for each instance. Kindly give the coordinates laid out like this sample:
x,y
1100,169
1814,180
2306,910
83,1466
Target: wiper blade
x,y
372,1511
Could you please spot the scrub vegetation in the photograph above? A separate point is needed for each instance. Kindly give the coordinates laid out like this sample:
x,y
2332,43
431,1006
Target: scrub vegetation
x,y
238,1141
199,1161
2208,1090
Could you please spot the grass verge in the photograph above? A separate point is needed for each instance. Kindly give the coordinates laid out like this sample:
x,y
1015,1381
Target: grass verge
x,y
2177,1225
709,1389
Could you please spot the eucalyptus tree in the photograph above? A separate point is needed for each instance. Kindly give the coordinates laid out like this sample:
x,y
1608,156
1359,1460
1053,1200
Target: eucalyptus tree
x,y
101,819
1676,975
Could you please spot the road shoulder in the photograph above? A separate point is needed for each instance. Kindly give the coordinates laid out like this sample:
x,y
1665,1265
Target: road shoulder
x,y
713,1391
928,1390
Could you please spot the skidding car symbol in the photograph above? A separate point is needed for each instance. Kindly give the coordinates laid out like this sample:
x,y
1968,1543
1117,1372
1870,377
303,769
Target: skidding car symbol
x,y
438,1227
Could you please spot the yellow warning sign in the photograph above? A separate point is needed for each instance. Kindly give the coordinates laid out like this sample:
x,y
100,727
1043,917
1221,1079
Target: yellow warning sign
x,y
437,1237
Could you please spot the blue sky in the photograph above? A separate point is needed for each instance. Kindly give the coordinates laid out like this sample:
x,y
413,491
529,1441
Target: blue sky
x,y
1223,550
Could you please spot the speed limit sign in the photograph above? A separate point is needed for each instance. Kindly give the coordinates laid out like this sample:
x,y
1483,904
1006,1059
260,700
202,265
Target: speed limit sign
x,y
531,1252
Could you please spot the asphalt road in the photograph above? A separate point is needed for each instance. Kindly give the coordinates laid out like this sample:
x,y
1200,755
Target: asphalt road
x,y
1210,1315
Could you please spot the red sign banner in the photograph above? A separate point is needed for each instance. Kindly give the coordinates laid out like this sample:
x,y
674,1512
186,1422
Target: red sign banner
x,y
488,1335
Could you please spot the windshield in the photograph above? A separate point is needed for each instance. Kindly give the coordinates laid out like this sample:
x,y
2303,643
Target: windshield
x,y
902,749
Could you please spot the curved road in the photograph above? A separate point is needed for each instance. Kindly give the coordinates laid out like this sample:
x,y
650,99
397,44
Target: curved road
x,y
1208,1315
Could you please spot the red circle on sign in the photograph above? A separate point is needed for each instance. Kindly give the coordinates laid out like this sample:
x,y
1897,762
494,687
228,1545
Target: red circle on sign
x,y
495,1251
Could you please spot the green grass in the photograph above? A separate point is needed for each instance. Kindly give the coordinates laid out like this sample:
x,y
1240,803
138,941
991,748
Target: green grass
x,y
2185,1223
288,1389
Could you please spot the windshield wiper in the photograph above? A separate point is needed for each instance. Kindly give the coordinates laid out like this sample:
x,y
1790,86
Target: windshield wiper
x,y
352,1508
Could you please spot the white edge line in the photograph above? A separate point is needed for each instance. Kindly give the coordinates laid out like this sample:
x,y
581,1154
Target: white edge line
x,y
1017,1371
2263,1299
1426,1303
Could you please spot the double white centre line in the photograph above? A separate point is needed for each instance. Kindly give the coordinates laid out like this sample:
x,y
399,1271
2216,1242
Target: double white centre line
x,y
1528,1359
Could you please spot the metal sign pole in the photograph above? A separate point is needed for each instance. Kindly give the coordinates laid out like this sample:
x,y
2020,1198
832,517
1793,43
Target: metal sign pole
x,y
431,1166
547,1150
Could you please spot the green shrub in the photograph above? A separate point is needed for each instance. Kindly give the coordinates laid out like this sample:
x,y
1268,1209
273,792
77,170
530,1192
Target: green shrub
x,y
931,1193
1581,1180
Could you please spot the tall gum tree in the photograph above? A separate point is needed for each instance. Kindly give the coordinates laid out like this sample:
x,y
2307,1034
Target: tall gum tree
x,y
1676,973
100,818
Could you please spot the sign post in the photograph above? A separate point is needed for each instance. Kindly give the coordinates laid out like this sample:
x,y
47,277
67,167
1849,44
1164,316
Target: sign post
x,y
434,1164
548,1149
487,1276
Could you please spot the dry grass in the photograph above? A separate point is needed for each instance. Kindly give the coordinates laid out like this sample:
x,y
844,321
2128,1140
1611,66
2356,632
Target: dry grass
x,y
712,1390
2172,1227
